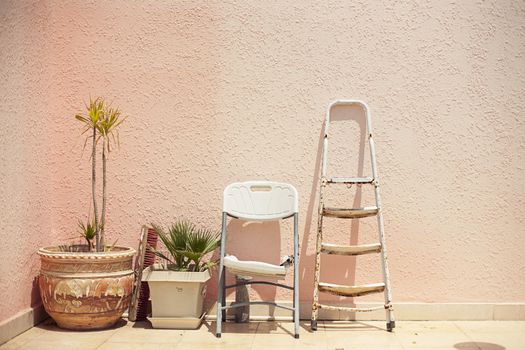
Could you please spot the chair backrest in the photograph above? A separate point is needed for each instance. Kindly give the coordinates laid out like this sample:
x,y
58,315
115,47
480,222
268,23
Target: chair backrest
x,y
260,200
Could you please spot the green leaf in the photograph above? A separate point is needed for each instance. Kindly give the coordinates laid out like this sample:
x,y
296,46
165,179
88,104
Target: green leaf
x,y
188,245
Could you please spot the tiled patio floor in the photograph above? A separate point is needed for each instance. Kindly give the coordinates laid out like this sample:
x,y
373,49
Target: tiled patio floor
x,y
464,335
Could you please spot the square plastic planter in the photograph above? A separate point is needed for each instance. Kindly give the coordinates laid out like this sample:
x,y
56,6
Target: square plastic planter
x,y
176,297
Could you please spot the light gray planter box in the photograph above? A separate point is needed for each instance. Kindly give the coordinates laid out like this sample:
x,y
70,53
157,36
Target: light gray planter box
x,y
176,297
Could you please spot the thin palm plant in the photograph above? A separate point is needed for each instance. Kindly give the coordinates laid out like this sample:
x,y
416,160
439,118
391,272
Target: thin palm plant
x,y
187,246
108,133
102,121
95,109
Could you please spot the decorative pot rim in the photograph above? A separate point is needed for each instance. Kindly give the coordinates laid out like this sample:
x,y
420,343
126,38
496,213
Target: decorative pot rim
x,y
53,253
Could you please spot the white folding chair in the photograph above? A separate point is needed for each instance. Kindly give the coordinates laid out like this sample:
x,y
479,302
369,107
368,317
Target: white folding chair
x,y
258,201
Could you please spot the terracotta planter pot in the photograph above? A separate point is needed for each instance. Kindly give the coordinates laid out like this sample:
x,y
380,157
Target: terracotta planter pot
x,y
82,290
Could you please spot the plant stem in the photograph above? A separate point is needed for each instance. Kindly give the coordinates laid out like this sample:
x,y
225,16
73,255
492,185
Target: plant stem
x,y
103,217
93,184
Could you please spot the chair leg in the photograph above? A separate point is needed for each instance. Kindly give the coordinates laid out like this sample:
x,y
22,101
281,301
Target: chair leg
x,y
296,312
296,276
223,314
219,307
221,292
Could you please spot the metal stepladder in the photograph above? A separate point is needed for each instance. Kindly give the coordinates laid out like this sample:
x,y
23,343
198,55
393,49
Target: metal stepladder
x,y
351,213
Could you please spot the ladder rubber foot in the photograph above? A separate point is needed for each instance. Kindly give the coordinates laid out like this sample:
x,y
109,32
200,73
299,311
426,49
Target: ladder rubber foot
x,y
218,335
296,336
390,326
313,325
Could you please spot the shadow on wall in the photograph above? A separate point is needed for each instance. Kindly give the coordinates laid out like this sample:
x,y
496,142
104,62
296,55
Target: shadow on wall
x,y
256,241
341,269
39,313
36,299
261,241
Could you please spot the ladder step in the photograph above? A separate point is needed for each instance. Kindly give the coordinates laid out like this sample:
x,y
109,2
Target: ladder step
x,y
353,213
351,291
350,309
350,180
337,249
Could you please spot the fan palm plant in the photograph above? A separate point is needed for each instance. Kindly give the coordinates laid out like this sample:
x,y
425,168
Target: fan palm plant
x,y
102,121
187,246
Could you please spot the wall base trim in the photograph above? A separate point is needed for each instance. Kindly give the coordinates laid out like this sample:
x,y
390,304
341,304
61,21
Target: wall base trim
x,y
403,312
21,322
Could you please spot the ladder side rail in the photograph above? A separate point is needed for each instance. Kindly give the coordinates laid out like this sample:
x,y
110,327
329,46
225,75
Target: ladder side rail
x,y
380,220
322,184
325,144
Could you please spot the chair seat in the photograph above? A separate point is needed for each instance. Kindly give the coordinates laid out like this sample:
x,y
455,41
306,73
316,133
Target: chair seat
x,y
253,268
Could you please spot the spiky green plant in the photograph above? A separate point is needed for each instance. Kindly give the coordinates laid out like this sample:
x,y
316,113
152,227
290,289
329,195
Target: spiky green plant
x,y
187,246
102,121
88,231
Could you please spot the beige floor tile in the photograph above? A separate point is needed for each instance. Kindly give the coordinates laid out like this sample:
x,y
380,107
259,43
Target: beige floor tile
x,y
425,326
140,335
249,328
227,344
23,338
462,335
233,325
48,335
62,344
280,335
498,341
359,335
495,335
14,344
228,341
52,333
459,346
234,336
137,346
431,335
48,331
278,327
492,326
282,342
343,326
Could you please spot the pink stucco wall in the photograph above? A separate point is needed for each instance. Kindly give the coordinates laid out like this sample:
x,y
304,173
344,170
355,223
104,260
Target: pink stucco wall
x,y
225,91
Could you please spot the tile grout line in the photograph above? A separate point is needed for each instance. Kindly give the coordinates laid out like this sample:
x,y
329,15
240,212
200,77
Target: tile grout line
x,y
253,339
115,331
396,336
467,335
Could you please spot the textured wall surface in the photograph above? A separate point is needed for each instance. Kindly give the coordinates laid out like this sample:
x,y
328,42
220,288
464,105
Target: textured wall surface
x,y
218,92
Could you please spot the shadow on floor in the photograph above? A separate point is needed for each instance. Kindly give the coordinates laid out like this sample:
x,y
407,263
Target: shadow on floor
x,y
479,345
271,326
50,325
349,326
